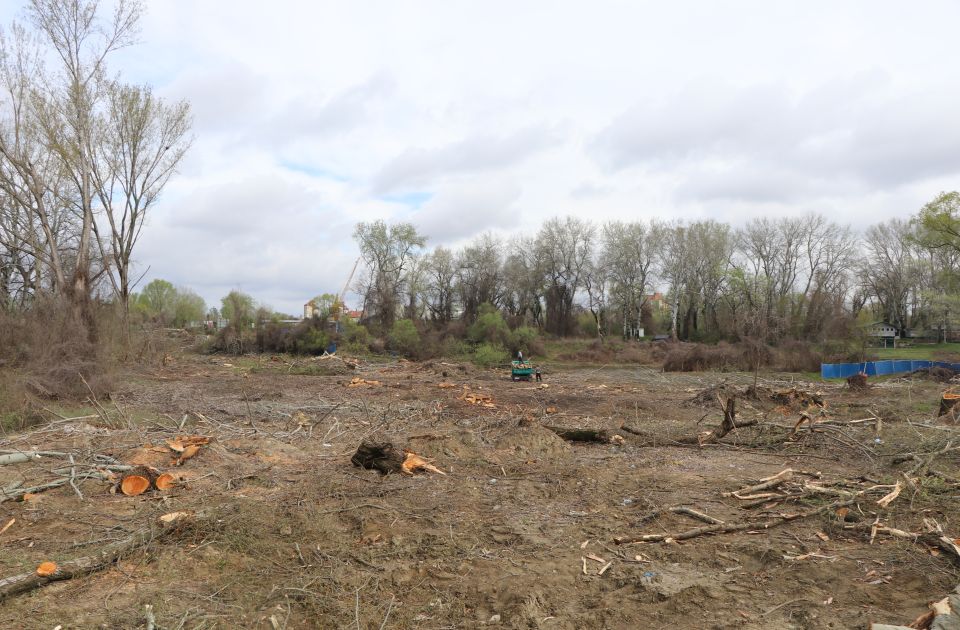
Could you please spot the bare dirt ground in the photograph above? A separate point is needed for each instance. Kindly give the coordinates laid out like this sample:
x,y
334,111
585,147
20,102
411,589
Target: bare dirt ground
x,y
285,533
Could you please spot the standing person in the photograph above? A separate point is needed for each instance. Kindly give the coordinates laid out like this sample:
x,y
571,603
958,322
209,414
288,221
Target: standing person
x,y
539,378
520,356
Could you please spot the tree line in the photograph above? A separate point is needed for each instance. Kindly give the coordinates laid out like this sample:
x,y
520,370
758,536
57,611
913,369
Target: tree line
x,y
804,277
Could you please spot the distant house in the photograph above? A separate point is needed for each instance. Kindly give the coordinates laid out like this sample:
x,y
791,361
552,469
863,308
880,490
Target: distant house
x,y
657,302
311,309
885,333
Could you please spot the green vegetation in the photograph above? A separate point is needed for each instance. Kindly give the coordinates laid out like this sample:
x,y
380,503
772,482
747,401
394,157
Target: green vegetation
x,y
404,337
490,355
926,352
162,303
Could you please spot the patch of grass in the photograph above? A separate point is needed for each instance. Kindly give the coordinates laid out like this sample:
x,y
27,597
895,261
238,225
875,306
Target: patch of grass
x,y
923,352
923,406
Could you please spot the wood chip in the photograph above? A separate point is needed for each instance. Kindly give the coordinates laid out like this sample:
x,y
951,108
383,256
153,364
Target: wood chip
x,y
583,545
605,567
173,517
888,499
823,536
8,525
584,561
596,558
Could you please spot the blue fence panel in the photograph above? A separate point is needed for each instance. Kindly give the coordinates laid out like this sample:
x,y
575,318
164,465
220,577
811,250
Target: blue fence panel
x,y
879,368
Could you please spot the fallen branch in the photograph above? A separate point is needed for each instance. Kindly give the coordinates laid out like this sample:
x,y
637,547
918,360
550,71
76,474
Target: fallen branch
x,y
728,424
888,499
680,509
728,528
11,494
923,464
766,484
16,584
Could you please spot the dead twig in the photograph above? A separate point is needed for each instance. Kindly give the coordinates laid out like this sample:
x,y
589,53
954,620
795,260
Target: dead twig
x,y
727,528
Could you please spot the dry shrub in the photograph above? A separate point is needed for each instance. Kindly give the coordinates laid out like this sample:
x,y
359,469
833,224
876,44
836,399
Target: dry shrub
x,y
58,354
934,373
596,352
695,357
743,356
798,356
634,352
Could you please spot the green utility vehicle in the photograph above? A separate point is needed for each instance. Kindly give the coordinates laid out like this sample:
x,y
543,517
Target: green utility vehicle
x,y
521,371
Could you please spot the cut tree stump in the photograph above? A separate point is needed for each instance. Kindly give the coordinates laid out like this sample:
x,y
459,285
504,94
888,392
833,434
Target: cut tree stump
x,y
582,435
728,424
948,401
382,456
388,458
858,382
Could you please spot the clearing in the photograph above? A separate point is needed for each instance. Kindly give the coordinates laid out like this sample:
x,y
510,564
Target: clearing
x,y
279,530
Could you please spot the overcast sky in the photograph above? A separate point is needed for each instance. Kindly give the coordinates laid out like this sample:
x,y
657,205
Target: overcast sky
x,y
486,115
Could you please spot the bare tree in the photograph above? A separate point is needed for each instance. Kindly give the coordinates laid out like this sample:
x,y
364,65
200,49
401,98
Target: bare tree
x,y
479,268
630,251
388,252
523,281
440,274
563,246
889,270
143,140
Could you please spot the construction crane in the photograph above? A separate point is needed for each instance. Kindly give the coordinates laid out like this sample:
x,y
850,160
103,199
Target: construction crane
x,y
336,309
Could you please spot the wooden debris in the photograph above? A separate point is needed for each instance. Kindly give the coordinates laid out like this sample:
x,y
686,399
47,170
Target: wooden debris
x,y
858,382
889,498
356,381
189,451
734,527
173,517
728,424
948,401
7,526
474,398
413,463
387,458
17,458
46,569
446,385
107,556
582,435
765,484
165,481
680,509
133,485
138,480
605,567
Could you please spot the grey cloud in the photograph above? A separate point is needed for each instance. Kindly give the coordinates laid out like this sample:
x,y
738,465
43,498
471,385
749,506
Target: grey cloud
x,y
222,97
266,235
459,212
843,135
418,167
310,115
